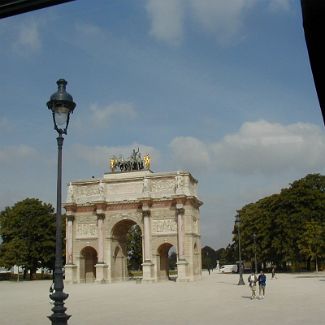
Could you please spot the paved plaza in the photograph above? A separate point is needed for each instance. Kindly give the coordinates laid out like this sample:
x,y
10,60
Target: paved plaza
x,y
296,299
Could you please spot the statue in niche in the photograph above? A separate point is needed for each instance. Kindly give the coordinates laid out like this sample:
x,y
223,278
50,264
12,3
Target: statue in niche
x,y
179,182
70,195
101,188
146,185
70,259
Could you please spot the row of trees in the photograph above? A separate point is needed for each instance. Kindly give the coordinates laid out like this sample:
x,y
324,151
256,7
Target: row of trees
x,y
227,255
289,226
289,229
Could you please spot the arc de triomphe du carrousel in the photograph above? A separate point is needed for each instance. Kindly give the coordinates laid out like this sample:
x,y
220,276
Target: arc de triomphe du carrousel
x,y
100,213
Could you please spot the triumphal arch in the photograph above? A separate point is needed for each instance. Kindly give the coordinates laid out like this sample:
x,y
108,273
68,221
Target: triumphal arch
x,y
101,211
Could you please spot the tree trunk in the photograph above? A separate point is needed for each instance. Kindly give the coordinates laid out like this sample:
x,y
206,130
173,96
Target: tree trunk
x,y
308,264
32,274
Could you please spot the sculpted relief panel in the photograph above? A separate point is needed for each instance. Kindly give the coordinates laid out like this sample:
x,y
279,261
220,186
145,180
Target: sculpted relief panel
x,y
86,230
136,216
86,226
86,194
164,226
166,185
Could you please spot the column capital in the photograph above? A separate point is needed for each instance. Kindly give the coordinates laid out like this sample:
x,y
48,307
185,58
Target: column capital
x,y
180,208
146,205
146,213
70,207
100,208
70,217
100,216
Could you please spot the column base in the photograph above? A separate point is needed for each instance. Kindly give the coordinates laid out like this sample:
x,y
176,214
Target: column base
x,y
182,271
147,271
70,273
101,273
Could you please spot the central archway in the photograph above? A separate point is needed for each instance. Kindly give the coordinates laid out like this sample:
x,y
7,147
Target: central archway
x,y
126,249
165,252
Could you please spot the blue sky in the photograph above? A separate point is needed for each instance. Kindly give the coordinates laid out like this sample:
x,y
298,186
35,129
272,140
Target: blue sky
x,y
222,89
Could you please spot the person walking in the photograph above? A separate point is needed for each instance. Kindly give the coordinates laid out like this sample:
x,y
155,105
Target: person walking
x,y
273,273
261,284
252,280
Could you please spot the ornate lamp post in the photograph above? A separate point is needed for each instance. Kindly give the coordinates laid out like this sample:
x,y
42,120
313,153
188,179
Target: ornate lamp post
x,y
241,280
255,260
61,104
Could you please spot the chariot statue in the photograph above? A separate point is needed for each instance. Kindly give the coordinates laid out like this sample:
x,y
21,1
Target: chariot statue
x,y
134,162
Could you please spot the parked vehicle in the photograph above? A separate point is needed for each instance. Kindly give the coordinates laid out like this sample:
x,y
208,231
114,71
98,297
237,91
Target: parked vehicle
x,y
229,268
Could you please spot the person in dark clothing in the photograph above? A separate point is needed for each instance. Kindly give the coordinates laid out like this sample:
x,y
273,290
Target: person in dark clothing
x,y
261,284
273,273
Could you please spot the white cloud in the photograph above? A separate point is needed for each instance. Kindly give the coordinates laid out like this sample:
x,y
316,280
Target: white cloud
x,y
272,148
166,19
99,156
190,152
28,38
258,147
105,115
223,18
280,5
13,154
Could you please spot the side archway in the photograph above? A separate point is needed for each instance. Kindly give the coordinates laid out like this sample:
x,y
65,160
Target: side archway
x,y
88,260
163,267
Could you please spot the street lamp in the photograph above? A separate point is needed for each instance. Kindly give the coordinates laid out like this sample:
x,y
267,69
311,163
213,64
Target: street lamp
x,y
255,260
61,104
241,280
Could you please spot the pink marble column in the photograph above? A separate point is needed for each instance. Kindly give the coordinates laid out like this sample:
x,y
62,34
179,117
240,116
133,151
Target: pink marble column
x,y
146,224
69,254
180,230
100,227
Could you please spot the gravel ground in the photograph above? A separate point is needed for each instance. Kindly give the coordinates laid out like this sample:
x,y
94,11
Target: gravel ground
x,y
296,299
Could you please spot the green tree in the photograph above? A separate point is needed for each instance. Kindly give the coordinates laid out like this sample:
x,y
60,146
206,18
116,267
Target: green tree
x,y
172,260
134,248
230,255
279,222
28,233
220,256
209,260
312,244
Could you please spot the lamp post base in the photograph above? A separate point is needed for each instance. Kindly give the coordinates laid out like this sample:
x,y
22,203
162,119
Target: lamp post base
x,y
61,319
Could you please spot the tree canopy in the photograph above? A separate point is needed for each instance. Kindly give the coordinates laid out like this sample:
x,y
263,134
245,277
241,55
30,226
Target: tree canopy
x,y
289,226
28,235
134,248
209,260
